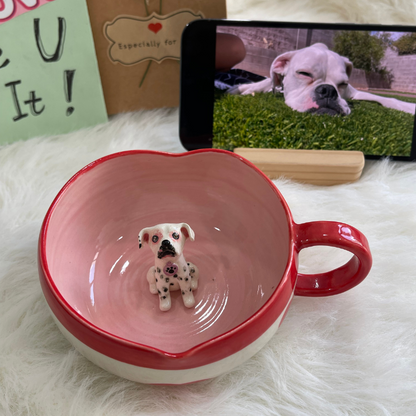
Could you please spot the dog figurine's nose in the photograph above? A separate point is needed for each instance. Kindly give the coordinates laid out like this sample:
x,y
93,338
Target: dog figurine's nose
x,y
326,91
165,243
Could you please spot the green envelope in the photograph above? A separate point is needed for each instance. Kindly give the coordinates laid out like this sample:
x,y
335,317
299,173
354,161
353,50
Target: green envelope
x,y
49,78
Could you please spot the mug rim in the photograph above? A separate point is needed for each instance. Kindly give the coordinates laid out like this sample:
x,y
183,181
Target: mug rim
x,y
71,317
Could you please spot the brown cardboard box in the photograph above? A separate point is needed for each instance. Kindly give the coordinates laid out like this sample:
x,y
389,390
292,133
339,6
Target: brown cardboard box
x,y
129,36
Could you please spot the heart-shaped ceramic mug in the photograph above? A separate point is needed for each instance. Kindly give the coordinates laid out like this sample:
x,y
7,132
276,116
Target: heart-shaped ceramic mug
x,y
93,275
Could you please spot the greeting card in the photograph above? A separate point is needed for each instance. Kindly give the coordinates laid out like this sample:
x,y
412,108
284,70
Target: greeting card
x,y
49,77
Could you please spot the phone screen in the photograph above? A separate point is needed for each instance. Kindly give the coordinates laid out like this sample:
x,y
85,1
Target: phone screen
x,y
312,88
299,86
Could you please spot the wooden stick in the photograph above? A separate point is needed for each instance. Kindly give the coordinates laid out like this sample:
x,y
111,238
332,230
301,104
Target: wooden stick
x,y
318,167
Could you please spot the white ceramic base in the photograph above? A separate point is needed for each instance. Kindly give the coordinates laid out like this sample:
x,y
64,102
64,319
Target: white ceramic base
x,y
152,376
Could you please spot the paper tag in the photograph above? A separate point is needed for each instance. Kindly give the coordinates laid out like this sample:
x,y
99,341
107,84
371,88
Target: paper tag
x,y
137,39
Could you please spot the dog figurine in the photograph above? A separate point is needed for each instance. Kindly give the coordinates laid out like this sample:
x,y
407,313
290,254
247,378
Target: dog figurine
x,y
171,271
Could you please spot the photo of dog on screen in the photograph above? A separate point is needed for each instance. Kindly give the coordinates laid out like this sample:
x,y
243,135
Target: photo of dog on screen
x,y
310,88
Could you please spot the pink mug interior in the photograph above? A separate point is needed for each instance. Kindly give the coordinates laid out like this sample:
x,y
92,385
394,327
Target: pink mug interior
x,y
242,244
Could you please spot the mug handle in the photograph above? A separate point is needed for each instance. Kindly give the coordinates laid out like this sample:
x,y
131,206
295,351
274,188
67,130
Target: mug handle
x,y
334,234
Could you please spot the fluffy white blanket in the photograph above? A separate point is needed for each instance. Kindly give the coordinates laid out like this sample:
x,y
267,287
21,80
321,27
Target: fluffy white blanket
x,y
352,354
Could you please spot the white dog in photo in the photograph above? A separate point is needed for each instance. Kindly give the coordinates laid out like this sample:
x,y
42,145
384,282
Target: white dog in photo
x,y
315,79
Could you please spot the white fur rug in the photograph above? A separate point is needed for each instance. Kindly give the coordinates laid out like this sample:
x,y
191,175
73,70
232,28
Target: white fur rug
x,y
352,354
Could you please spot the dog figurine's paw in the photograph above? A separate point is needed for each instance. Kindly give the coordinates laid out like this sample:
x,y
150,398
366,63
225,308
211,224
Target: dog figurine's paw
x,y
171,271
194,272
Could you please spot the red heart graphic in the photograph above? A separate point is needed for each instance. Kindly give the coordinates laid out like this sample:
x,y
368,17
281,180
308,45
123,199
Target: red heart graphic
x,y
155,27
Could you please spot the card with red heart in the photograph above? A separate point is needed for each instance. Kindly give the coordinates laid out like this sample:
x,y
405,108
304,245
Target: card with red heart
x,y
138,48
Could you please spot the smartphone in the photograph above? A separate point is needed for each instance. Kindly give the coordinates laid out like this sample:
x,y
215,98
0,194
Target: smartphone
x,y
299,86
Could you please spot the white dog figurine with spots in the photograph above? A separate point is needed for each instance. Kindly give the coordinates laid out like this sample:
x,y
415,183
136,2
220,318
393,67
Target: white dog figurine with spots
x,y
171,271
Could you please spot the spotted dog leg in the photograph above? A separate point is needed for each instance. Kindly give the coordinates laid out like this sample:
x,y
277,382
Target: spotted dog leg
x,y
194,272
151,279
163,291
185,284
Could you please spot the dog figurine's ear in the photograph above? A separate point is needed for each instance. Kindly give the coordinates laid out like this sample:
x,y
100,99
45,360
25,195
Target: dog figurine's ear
x,y
144,236
279,68
187,231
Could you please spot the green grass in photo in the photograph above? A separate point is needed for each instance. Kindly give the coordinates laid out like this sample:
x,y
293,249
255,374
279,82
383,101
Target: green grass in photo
x,y
265,121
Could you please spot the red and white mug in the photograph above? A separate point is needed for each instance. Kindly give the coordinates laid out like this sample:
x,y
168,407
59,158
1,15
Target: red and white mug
x,y
246,247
